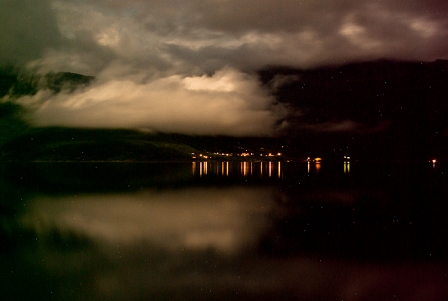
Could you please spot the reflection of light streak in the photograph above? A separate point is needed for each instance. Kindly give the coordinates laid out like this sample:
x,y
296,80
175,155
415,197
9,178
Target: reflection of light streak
x,y
308,166
270,169
200,169
261,169
244,168
317,167
205,168
227,169
346,167
193,168
251,169
279,170
222,168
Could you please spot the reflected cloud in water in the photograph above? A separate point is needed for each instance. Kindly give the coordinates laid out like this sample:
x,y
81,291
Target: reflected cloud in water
x,y
227,220
290,232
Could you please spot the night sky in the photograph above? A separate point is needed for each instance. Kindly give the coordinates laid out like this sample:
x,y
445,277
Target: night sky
x,y
191,67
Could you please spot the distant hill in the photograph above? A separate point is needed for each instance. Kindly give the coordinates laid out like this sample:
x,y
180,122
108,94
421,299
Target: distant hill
x,y
17,83
379,110
21,142
67,144
391,110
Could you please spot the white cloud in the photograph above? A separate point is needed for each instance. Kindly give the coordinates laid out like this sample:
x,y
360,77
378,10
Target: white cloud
x,y
226,103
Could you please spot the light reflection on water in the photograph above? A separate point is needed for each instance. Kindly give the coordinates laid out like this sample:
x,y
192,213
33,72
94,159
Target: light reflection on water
x,y
245,168
258,231
226,220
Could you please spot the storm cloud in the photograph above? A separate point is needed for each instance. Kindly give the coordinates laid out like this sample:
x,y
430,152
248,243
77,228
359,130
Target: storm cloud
x,y
148,51
198,35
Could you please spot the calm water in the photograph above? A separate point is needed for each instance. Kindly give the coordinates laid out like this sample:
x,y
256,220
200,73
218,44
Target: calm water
x,y
224,231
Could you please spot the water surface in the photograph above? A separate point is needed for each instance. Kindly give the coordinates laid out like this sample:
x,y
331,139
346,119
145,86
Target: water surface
x,y
224,231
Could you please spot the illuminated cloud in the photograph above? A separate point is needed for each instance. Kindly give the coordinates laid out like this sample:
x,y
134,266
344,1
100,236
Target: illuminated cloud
x,y
226,103
154,55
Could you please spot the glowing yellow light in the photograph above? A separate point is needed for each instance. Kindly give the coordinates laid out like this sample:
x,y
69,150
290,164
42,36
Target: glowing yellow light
x,y
193,168
244,168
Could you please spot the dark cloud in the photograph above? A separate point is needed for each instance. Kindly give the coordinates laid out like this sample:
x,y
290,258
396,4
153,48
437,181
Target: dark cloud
x,y
142,43
27,29
246,35
345,126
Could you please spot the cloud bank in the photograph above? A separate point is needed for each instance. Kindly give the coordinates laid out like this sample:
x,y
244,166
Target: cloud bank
x,y
227,103
197,36
152,57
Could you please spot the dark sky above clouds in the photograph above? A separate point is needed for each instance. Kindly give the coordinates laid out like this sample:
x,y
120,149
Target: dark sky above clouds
x,y
151,58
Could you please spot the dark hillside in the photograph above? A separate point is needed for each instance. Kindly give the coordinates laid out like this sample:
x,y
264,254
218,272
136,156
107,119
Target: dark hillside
x,y
382,109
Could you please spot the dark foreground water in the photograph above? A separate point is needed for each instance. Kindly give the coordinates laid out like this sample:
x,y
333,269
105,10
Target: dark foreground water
x,y
223,231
